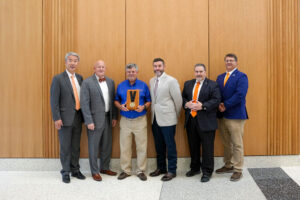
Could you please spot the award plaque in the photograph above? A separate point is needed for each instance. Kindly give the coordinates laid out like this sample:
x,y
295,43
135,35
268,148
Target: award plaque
x,y
133,97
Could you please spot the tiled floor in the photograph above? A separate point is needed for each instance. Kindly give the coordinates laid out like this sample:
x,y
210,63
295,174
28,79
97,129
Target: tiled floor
x,y
40,179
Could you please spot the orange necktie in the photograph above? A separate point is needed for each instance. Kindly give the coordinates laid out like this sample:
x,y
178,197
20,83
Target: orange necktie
x,y
226,78
193,112
77,106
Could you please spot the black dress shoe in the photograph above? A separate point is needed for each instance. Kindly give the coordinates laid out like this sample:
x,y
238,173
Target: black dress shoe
x,y
78,175
192,173
142,176
205,178
66,178
157,172
169,176
123,175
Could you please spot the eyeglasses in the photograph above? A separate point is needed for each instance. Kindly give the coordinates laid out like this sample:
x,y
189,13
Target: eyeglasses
x,y
227,61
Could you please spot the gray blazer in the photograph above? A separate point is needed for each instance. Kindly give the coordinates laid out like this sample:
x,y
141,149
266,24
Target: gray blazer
x,y
62,98
166,105
92,101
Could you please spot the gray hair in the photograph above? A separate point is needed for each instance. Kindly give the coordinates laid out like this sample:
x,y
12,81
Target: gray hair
x,y
200,65
132,65
71,54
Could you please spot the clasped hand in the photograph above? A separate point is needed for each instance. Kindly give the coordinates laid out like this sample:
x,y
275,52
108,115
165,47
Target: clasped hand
x,y
194,105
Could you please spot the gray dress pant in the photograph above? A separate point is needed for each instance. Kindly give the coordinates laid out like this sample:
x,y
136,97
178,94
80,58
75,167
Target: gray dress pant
x,y
100,141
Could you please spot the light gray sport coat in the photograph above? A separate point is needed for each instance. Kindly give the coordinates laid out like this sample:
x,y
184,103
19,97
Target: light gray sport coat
x,y
166,105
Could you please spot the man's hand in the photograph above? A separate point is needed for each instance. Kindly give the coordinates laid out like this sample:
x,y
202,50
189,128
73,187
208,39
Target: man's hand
x,y
196,105
140,108
123,107
114,122
58,124
91,126
222,107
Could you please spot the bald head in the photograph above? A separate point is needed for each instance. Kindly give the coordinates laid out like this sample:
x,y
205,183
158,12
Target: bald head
x,y
100,68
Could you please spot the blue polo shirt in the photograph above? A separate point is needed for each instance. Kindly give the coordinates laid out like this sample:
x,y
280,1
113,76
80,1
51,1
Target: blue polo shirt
x,y
121,96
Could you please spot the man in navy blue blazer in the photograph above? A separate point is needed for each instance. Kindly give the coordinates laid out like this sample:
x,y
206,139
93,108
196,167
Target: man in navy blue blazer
x,y
232,115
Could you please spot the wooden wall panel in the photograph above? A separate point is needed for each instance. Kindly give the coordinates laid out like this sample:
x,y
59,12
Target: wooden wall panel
x,y
283,77
240,27
21,78
59,18
100,34
174,30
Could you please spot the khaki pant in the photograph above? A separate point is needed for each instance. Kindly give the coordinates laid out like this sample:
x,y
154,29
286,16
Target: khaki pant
x,y
232,131
137,126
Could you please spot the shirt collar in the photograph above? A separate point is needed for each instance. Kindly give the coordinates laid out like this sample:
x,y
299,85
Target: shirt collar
x,y
231,71
133,83
161,76
69,74
200,81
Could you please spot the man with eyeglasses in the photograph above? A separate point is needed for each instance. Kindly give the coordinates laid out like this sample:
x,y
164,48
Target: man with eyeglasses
x,y
232,116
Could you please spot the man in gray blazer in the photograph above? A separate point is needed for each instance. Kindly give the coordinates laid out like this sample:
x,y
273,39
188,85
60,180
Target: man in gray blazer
x,y
67,116
166,105
100,115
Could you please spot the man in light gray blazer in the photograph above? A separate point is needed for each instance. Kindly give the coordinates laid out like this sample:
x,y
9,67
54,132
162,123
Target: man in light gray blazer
x,y
100,115
166,105
67,116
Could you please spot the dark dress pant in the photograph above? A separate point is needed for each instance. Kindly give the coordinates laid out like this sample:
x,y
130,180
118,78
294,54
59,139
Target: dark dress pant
x,y
164,139
200,141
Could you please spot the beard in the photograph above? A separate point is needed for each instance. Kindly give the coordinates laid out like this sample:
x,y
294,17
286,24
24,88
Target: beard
x,y
159,72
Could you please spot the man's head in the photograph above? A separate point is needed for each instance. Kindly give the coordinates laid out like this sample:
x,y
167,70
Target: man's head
x,y
71,61
158,66
100,68
200,71
230,61
131,72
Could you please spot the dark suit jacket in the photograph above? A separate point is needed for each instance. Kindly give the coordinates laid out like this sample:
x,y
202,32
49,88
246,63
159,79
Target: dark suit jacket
x,y
234,95
92,101
62,98
210,98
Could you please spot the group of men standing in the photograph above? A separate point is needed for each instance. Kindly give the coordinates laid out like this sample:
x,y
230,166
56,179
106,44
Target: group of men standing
x,y
94,102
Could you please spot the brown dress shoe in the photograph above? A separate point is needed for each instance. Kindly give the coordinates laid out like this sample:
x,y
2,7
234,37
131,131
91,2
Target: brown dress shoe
x,y
224,170
97,177
108,172
142,176
157,172
123,175
236,176
169,176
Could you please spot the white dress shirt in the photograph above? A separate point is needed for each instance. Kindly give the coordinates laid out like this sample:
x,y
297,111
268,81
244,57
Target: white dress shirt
x,y
200,86
104,89
76,82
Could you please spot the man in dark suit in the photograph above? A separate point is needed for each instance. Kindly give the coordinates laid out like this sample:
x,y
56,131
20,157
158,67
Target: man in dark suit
x,y
100,115
201,98
233,114
67,116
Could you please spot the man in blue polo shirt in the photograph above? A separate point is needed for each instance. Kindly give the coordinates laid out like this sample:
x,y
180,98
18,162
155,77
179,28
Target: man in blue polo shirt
x,y
133,99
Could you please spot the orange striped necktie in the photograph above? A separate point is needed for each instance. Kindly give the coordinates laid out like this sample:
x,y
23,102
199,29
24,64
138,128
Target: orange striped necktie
x,y
77,103
226,78
193,112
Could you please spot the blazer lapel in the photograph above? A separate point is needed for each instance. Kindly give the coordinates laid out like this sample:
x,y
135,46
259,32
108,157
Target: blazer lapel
x,y
160,83
96,82
78,79
68,83
203,90
231,77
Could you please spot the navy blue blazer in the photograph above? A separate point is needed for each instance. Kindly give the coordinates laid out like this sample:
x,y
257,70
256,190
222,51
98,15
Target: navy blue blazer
x,y
234,95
